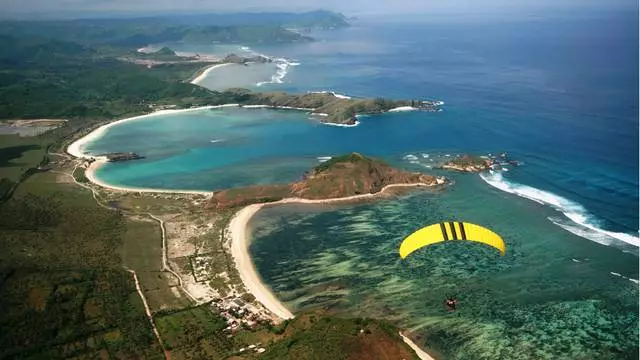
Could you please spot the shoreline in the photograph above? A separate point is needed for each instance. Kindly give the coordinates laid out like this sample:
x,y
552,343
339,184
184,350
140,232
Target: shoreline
x,y
239,246
75,148
91,176
198,79
238,225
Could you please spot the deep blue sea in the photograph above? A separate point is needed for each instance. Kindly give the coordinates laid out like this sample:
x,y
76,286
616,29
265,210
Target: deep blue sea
x,y
557,93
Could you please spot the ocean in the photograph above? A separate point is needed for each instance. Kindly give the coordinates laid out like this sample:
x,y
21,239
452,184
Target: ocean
x,y
557,93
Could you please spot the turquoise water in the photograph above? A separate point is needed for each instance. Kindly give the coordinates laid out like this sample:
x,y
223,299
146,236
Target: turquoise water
x,y
551,297
559,94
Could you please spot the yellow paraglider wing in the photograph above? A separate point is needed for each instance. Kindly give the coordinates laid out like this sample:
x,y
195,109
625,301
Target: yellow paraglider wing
x,y
448,231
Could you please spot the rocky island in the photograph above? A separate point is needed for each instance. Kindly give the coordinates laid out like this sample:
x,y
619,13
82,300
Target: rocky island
x,y
341,177
475,164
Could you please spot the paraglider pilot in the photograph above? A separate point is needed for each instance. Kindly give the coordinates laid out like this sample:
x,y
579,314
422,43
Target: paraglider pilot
x,y
450,303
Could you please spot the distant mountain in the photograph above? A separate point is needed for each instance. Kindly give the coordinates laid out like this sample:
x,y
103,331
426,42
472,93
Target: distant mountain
x,y
319,19
132,33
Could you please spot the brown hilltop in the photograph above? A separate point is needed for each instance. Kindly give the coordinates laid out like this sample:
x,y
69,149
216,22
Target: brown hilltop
x,y
348,175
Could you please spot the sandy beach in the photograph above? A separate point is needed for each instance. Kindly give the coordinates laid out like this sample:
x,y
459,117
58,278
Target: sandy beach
x,y
240,246
240,241
91,176
75,148
237,228
206,72
421,353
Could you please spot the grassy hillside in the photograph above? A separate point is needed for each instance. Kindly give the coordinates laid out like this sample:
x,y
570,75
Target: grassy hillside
x,y
314,336
337,110
348,175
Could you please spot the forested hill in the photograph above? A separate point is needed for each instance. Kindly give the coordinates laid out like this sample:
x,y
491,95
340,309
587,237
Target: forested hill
x,y
246,28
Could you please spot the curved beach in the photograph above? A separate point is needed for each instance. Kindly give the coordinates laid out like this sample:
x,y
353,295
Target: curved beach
x,y
237,232
90,174
198,79
75,148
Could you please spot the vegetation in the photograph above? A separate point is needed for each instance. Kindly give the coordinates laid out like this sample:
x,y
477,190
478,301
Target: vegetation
x,y
343,176
19,158
62,282
183,330
337,110
134,33
65,285
469,163
318,336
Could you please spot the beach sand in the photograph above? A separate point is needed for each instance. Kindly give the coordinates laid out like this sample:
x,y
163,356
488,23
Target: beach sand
x,y
240,246
91,176
206,72
240,241
238,225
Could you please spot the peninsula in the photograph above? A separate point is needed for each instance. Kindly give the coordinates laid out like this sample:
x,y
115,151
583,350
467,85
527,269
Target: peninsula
x,y
348,176
327,107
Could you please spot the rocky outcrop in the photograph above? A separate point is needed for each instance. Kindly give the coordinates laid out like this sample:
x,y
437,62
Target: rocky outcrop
x,y
475,164
122,156
236,59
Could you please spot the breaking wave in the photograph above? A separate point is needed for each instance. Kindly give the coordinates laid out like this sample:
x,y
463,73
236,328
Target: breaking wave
x,y
581,222
282,66
339,96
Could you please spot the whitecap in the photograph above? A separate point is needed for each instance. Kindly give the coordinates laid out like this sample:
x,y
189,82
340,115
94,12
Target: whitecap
x,y
575,260
403,108
615,273
582,223
410,157
216,141
426,156
323,158
341,125
339,96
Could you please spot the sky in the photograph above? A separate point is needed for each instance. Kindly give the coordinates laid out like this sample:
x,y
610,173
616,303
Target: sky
x,y
73,8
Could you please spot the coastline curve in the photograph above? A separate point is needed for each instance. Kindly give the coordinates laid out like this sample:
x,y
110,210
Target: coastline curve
x,y
239,245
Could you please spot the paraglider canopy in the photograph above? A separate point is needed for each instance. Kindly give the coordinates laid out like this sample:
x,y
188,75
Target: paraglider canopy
x,y
448,231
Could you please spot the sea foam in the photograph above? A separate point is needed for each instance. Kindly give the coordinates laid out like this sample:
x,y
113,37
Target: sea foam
x,y
403,108
582,223
339,96
282,66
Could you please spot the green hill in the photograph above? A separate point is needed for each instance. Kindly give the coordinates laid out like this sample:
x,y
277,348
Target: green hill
x,y
343,176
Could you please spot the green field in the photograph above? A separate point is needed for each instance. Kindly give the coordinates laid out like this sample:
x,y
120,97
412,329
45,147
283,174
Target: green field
x,y
63,283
